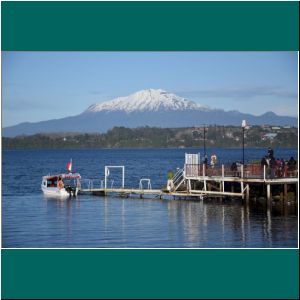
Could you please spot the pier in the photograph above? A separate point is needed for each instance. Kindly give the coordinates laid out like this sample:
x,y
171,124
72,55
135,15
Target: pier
x,y
196,181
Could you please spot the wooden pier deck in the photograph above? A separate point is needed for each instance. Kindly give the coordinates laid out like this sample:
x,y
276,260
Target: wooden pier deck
x,y
192,192
197,181
140,192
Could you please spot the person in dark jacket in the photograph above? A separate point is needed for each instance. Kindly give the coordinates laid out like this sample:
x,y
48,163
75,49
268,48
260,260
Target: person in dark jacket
x,y
272,166
263,162
282,167
291,164
233,168
270,153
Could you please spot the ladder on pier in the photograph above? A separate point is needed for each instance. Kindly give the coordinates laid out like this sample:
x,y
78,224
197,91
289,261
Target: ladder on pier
x,y
178,179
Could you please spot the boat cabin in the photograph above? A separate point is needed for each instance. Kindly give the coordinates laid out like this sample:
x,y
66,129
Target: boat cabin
x,y
68,179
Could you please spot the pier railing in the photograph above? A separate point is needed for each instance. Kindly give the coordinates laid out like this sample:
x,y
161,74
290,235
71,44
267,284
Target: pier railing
x,y
90,184
246,171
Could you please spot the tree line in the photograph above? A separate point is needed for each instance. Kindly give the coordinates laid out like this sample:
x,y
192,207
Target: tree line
x,y
154,137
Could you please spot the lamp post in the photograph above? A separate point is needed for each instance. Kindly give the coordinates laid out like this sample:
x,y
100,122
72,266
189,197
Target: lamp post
x,y
204,146
243,127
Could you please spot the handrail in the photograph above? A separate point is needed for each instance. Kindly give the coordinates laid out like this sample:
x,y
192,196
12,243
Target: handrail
x,y
178,174
246,171
141,183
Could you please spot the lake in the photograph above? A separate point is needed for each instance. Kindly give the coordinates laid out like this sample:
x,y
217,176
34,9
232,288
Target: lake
x,y
30,220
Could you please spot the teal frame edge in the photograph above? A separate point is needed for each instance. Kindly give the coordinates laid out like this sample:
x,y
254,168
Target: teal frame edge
x,y
149,274
150,26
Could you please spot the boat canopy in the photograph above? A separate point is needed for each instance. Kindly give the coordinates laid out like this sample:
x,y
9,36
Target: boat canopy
x,y
63,176
71,175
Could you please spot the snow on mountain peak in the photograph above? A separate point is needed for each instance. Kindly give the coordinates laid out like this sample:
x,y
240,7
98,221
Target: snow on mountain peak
x,y
146,100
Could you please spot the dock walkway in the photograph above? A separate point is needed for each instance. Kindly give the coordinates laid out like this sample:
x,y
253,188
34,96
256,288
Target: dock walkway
x,y
197,181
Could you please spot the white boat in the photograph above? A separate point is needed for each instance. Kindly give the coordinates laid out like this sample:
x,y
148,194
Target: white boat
x,y
61,185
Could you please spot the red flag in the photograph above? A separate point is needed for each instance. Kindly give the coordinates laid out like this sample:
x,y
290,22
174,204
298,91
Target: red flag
x,y
69,166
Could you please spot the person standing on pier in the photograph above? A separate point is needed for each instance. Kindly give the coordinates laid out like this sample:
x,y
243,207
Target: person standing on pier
x,y
170,183
291,165
213,160
272,166
264,164
270,153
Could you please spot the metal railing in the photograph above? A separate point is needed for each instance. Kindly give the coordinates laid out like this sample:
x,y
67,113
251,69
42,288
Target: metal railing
x,y
147,181
177,178
90,184
246,171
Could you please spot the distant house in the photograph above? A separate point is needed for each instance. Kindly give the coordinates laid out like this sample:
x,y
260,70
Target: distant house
x,y
275,128
268,136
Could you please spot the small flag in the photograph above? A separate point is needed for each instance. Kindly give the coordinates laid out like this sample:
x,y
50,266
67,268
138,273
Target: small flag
x,y
69,166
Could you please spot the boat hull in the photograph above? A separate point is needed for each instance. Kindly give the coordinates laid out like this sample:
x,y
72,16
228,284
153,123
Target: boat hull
x,y
56,192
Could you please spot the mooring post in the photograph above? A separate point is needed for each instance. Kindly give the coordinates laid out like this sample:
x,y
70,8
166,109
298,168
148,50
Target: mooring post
x,y
269,194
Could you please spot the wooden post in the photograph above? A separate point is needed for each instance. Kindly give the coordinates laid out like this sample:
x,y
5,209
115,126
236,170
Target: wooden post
x,y
285,193
242,181
247,192
296,194
232,187
209,186
269,194
223,173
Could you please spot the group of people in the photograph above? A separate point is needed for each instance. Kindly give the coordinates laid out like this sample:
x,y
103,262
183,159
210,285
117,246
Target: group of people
x,y
277,167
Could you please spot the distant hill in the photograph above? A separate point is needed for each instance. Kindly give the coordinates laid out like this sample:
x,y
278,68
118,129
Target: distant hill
x,y
149,137
146,108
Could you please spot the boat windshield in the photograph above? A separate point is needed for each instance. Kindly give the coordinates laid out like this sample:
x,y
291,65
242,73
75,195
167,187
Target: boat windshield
x,y
52,182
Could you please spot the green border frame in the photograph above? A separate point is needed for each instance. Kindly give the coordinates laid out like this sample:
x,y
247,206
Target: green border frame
x,y
168,274
150,26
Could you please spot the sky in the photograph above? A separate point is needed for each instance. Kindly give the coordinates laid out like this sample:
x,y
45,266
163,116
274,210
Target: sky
x,y
40,86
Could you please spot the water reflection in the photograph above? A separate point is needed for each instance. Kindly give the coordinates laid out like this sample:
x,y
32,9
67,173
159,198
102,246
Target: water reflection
x,y
219,224
93,221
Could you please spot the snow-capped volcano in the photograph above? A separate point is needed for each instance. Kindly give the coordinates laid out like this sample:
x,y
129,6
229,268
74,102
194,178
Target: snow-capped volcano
x,y
147,100
156,108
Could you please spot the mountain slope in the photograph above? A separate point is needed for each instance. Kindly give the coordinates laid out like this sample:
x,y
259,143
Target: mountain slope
x,y
148,107
146,100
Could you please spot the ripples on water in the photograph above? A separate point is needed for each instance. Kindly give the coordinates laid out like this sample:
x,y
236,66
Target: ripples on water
x,y
31,220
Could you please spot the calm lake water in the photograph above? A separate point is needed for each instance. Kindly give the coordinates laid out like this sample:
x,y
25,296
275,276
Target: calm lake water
x,y
31,220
